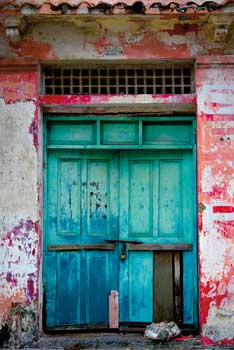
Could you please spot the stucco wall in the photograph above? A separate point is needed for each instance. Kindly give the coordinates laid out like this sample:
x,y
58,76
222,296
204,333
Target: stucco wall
x,y
19,186
108,37
215,137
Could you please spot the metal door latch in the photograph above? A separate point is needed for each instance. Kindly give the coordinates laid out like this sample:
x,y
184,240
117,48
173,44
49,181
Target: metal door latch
x,y
124,243
123,252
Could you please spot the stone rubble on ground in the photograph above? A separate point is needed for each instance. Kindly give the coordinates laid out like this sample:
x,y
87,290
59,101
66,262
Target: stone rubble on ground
x,y
162,331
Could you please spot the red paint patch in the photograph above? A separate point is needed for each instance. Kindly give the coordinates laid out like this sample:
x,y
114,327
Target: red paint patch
x,y
150,47
226,228
218,191
73,99
207,117
99,99
34,49
211,293
206,341
183,29
223,209
18,86
200,222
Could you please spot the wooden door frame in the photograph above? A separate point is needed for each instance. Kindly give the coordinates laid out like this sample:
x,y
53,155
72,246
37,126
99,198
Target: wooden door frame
x,y
106,117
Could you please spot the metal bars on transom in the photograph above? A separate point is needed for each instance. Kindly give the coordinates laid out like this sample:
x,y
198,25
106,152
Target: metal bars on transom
x,y
115,79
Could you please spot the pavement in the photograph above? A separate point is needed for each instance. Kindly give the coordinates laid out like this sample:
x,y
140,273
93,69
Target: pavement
x,y
107,341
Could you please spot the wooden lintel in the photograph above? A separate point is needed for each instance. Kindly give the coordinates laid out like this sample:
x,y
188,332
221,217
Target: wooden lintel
x,y
74,247
161,247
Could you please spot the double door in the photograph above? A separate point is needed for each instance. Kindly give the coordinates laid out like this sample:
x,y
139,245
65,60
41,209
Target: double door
x,y
107,211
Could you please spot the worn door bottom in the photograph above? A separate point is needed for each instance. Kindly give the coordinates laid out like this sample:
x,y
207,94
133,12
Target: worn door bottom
x,y
123,328
128,328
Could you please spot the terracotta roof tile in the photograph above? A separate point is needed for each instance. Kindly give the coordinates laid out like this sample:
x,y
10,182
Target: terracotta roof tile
x,y
110,6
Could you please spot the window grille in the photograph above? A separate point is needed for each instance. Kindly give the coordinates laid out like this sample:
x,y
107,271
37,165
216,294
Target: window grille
x,y
173,79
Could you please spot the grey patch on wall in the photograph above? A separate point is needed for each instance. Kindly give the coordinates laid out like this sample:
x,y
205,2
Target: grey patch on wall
x,y
112,50
220,323
22,323
5,50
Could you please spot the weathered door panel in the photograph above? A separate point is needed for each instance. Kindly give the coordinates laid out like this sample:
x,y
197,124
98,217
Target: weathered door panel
x,y
140,281
138,214
68,293
189,229
97,286
82,211
156,206
82,196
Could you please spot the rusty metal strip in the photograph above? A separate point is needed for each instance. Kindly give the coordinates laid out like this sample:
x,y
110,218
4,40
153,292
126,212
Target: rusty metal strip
x,y
160,247
74,247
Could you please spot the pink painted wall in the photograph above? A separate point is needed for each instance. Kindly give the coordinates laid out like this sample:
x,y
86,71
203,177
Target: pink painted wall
x,y
215,138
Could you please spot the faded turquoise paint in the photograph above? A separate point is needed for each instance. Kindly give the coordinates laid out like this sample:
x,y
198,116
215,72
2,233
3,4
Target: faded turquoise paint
x,y
120,133
115,133
93,195
82,209
156,206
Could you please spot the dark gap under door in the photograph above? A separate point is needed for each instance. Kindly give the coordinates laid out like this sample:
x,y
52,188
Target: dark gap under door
x,y
167,286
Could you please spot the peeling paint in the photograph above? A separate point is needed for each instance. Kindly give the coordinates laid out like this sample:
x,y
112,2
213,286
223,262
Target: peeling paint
x,y
18,265
19,219
18,87
33,129
33,48
120,38
215,177
116,99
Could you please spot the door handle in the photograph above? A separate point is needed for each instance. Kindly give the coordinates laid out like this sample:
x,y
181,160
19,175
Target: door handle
x,y
124,243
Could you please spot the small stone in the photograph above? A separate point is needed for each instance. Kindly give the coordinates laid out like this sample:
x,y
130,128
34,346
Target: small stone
x,y
162,331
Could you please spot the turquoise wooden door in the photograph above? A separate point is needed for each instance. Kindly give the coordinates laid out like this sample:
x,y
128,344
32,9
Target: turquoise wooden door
x,y
93,196
81,269
156,207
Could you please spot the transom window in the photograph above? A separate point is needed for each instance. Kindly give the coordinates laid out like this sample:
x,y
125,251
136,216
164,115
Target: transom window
x,y
173,78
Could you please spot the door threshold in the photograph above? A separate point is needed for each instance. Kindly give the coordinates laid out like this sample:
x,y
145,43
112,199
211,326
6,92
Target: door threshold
x,y
94,329
123,328
78,329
